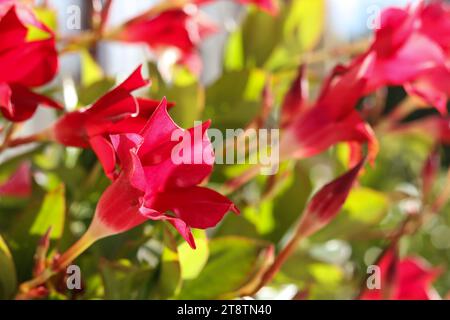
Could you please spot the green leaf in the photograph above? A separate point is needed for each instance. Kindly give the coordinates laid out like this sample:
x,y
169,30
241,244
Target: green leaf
x,y
363,210
169,280
193,261
366,205
91,72
290,202
304,24
261,34
189,103
122,280
243,90
8,278
234,52
46,16
52,214
89,94
303,27
187,94
326,274
233,263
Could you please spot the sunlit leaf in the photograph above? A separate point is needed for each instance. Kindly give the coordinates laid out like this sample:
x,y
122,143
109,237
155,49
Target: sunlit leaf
x,y
261,34
91,72
52,214
304,23
122,280
193,261
232,264
46,16
8,279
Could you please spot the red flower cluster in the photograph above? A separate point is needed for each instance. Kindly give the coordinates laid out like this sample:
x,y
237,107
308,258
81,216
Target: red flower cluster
x,y
24,63
406,279
411,48
135,144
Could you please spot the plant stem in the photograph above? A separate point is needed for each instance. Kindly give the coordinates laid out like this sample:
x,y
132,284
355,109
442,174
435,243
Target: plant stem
x,y
443,197
104,16
9,132
12,143
284,254
65,260
37,281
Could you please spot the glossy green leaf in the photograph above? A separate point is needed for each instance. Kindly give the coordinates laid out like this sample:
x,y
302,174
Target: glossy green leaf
x,y
243,89
89,94
52,214
363,210
366,205
261,34
8,278
122,280
192,261
91,72
304,24
169,278
46,16
232,264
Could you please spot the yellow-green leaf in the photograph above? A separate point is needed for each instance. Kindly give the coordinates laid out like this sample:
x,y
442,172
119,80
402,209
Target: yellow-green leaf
x,y
52,214
91,72
233,264
8,277
47,17
366,205
192,261
304,24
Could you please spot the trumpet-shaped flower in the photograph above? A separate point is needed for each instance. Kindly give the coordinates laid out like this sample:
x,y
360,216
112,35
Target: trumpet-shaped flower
x,y
153,184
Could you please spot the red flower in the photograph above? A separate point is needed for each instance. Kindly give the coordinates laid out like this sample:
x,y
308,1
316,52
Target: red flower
x,y
182,29
406,279
23,63
116,112
327,203
332,119
411,49
151,183
295,99
19,183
